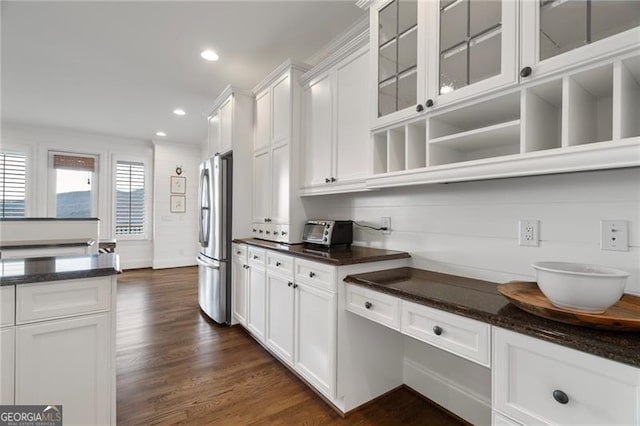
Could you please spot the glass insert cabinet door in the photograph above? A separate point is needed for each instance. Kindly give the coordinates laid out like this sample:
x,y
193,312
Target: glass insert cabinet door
x,y
398,78
472,46
558,33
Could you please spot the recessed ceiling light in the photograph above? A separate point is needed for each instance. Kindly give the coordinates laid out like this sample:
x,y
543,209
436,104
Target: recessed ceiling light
x,y
179,111
161,134
209,55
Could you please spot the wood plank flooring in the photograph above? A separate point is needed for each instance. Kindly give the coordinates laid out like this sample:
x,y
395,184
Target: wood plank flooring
x,y
174,366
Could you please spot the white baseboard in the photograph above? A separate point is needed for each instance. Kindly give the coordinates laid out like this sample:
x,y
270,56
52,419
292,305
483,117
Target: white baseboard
x,y
174,263
461,401
135,264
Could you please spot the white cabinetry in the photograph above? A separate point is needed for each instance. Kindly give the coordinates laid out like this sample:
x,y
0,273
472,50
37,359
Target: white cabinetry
x,y
536,382
7,305
65,348
7,339
336,122
68,362
230,121
257,293
239,283
280,299
277,209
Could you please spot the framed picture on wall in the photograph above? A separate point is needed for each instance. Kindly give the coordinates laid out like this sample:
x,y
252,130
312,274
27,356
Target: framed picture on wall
x,y
178,185
178,204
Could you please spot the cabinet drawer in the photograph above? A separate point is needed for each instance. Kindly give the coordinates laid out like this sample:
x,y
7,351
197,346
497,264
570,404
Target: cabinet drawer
x,y
57,299
461,336
257,256
537,382
280,264
316,274
283,237
379,307
7,305
239,252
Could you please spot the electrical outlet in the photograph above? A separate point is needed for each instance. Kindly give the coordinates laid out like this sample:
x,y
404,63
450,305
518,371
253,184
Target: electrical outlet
x,y
529,232
614,235
386,223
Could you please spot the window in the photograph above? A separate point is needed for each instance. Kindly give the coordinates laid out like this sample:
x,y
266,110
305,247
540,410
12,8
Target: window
x,y
129,198
74,185
13,167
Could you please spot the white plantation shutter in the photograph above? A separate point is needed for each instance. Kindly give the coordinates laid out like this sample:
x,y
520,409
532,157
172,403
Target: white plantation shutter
x,y
13,168
130,213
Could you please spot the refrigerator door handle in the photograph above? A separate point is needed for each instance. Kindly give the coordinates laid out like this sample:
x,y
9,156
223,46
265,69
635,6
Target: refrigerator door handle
x,y
206,264
204,209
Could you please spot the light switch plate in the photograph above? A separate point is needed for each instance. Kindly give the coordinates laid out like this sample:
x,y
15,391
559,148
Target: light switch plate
x,y
614,235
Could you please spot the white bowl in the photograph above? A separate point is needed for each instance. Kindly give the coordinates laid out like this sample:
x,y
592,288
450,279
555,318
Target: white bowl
x,y
579,286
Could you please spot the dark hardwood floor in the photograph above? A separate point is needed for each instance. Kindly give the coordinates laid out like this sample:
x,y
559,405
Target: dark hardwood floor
x,y
175,366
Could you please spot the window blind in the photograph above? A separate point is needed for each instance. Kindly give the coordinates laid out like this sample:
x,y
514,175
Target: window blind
x,y
13,168
130,189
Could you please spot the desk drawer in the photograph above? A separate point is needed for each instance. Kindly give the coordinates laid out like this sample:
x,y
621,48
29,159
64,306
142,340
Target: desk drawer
x,y
315,274
257,257
239,252
537,382
461,336
379,307
58,299
280,264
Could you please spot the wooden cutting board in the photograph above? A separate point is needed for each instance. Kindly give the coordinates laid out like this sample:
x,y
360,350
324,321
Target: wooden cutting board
x,y
623,316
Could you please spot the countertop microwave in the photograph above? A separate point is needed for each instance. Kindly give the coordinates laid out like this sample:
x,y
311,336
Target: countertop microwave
x,y
328,233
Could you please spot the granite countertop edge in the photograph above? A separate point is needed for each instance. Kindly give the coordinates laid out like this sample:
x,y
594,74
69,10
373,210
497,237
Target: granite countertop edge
x,y
617,353
271,245
58,276
12,245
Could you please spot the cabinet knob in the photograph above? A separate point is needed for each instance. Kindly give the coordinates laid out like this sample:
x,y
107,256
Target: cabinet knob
x,y
295,285
283,233
278,264
327,180
238,252
267,232
255,257
333,179
429,103
245,266
560,397
368,305
419,108
437,330
312,274
289,284
525,72
261,231
255,230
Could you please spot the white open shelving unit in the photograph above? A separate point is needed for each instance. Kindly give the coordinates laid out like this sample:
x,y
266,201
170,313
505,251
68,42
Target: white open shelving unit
x,y
586,120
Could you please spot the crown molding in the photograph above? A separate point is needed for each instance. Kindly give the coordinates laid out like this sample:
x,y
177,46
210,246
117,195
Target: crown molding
x,y
365,4
286,65
357,42
334,45
223,96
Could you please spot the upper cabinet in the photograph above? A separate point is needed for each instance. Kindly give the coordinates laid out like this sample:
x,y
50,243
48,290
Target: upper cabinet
x,y
277,211
336,141
429,53
558,34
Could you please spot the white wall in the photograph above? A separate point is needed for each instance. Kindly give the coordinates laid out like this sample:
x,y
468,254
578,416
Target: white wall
x,y
471,229
175,235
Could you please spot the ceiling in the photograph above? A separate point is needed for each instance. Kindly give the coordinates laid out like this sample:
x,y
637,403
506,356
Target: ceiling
x,y
120,68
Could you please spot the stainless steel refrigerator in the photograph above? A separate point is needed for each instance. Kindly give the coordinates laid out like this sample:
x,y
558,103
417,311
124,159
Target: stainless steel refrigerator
x,y
214,271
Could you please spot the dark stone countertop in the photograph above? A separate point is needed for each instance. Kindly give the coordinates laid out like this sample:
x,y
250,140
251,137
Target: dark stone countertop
x,y
39,269
481,300
30,244
336,256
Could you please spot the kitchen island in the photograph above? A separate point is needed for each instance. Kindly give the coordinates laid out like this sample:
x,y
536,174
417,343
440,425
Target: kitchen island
x,y
58,318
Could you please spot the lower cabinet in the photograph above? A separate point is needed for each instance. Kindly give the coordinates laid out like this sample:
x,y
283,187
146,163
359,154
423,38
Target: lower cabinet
x,y
67,362
7,351
316,336
256,286
536,382
239,283
280,302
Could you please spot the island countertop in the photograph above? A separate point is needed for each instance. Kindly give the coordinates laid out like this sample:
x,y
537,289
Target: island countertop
x,y
38,269
481,300
336,256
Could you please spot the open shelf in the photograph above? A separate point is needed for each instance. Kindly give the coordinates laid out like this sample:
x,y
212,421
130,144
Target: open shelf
x,y
440,154
543,117
629,98
416,145
588,106
396,149
484,138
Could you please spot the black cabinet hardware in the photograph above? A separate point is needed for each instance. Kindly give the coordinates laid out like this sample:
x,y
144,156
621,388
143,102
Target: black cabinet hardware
x,y
560,397
368,305
429,103
525,72
437,330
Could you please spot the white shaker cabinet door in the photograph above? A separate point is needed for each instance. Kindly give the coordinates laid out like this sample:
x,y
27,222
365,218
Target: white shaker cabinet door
x,y
352,119
280,185
281,109
257,294
280,316
67,362
318,132
226,125
261,186
239,284
7,353
262,137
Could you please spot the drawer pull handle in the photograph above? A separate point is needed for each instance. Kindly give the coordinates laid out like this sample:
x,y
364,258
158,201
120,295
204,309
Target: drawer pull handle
x,y
368,305
437,330
255,257
560,397
238,252
278,264
312,274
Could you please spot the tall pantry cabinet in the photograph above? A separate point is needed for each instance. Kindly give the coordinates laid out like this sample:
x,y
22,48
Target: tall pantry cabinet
x,y
278,214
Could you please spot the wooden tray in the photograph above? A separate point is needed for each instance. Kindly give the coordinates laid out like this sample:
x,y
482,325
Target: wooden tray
x,y
623,316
